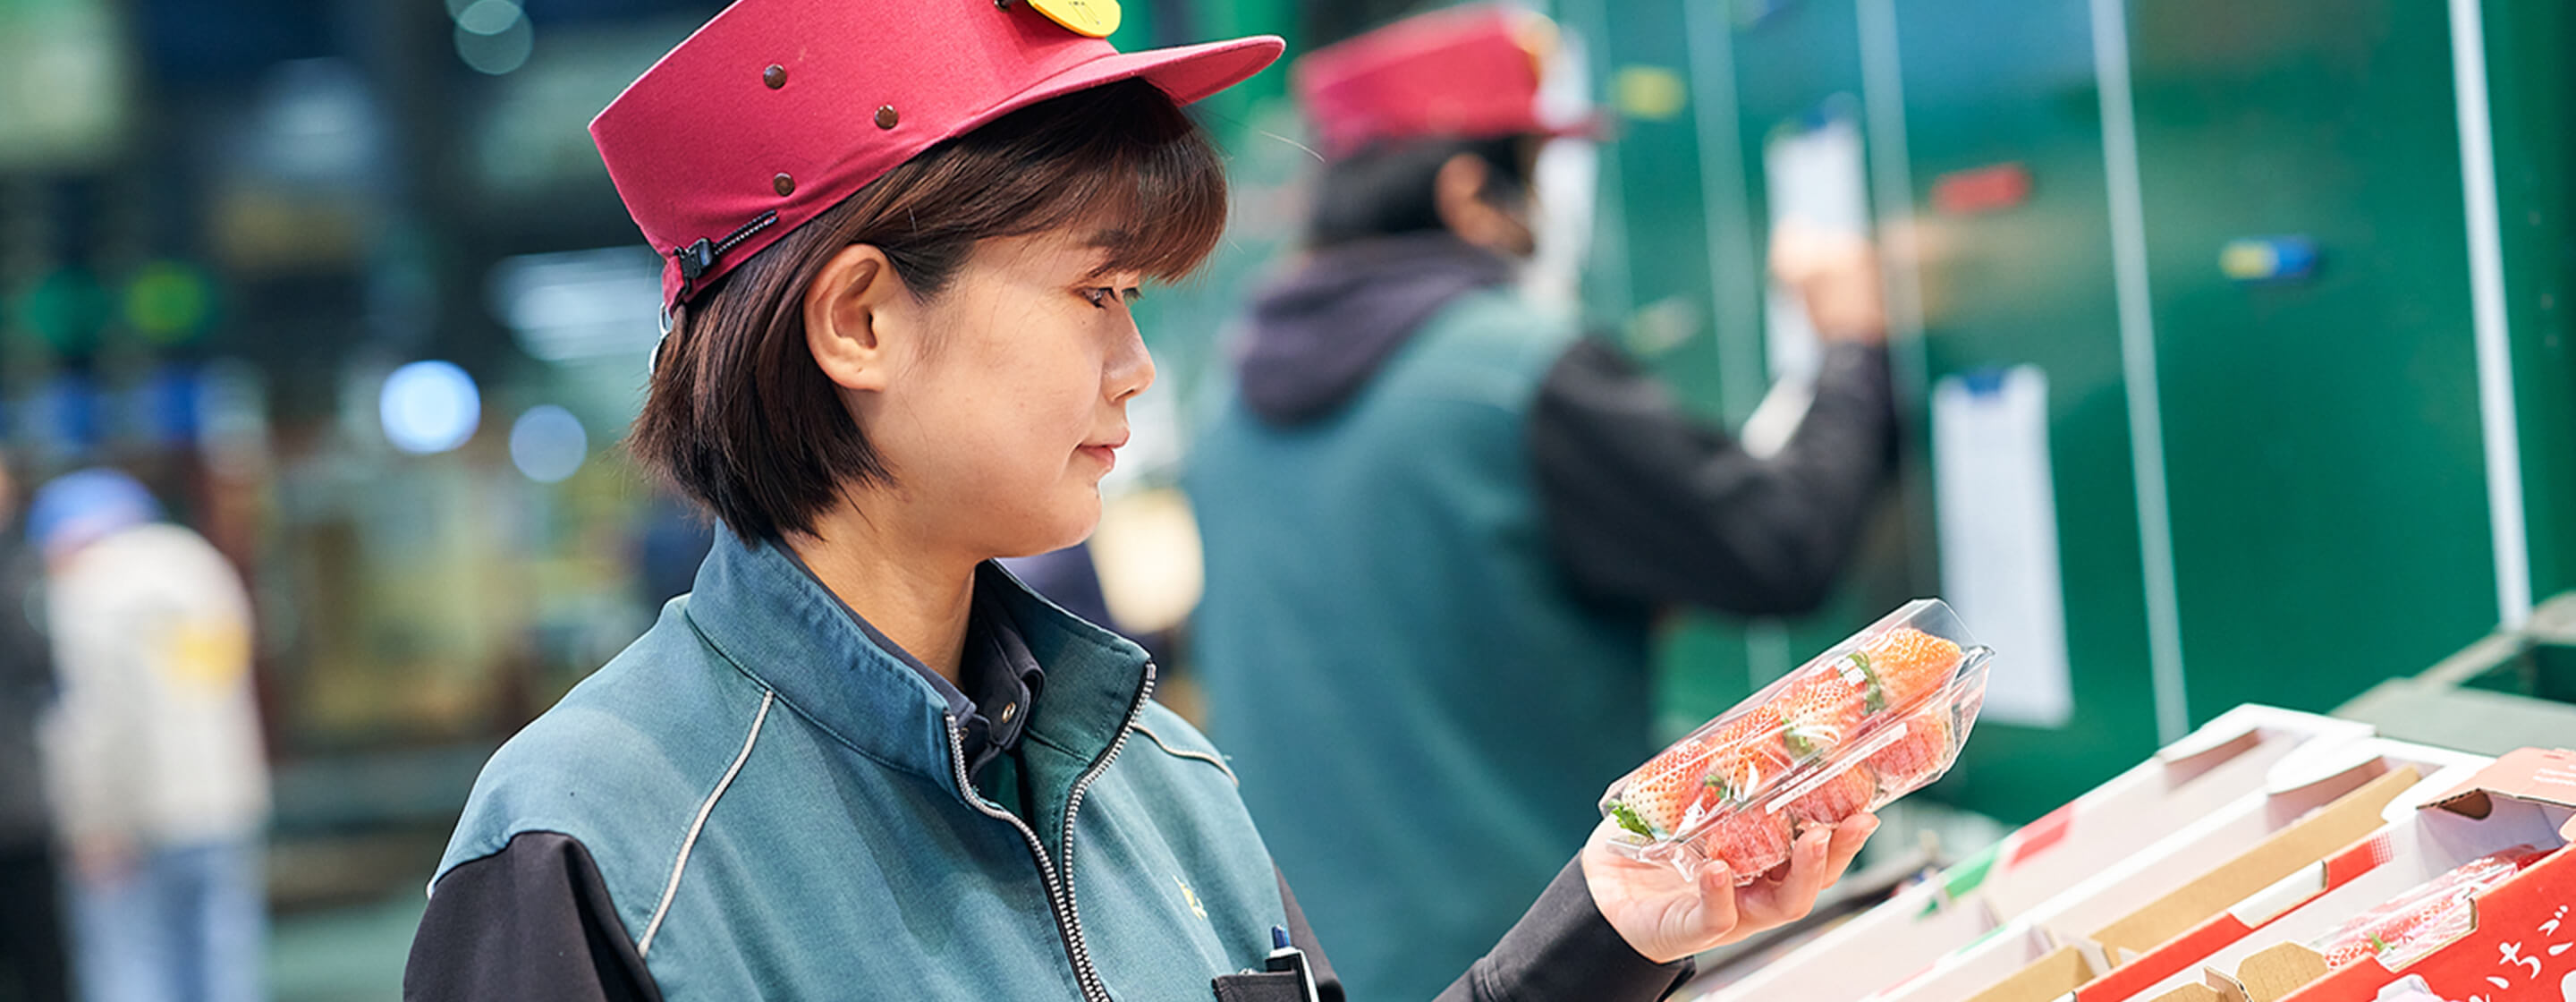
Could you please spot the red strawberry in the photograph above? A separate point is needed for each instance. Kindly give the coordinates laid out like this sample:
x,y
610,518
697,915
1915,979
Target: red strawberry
x,y
1911,760
1750,842
2348,951
1660,794
1846,793
1823,709
1745,754
1906,665
2394,939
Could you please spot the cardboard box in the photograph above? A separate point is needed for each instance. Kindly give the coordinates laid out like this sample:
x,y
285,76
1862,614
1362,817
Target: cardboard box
x,y
2318,800
2022,962
2522,943
2214,767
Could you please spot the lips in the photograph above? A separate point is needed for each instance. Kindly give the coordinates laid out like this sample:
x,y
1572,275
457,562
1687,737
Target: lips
x,y
1105,450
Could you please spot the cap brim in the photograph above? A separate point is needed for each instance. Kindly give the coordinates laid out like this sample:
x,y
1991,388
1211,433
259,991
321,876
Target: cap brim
x,y
1186,72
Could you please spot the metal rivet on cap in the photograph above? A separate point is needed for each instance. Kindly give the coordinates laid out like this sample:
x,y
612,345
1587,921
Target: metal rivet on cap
x,y
886,116
785,185
775,76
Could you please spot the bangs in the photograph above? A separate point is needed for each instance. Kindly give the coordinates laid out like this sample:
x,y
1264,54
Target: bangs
x,y
1162,217
1120,162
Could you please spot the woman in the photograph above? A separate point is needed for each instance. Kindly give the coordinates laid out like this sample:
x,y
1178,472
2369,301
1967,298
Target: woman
x,y
859,760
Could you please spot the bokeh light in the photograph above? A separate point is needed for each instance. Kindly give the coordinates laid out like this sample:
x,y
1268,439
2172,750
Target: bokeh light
x,y
494,36
429,407
548,444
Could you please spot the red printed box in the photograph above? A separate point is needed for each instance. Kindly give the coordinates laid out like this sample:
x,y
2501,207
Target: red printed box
x,y
2517,945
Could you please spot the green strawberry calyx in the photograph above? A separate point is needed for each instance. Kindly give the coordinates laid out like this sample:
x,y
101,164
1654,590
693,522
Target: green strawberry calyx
x,y
1805,743
1628,819
1873,691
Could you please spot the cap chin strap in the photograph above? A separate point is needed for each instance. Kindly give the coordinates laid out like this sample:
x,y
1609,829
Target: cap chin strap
x,y
671,321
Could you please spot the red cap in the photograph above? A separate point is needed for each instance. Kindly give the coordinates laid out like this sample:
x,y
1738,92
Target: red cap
x,y
1469,72
778,109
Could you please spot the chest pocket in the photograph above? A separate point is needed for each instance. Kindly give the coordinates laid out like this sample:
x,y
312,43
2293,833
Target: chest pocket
x,y
1261,986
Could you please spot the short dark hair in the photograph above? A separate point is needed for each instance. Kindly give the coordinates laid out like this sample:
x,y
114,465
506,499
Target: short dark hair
x,y
1385,189
738,416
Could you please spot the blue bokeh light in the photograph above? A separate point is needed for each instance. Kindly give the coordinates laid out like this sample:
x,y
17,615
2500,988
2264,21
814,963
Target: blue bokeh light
x,y
548,444
429,407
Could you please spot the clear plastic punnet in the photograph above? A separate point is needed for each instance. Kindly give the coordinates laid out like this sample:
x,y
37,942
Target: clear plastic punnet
x,y
1873,718
2422,920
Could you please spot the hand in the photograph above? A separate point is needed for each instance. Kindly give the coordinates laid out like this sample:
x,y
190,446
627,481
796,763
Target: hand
x,y
1665,916
1836,276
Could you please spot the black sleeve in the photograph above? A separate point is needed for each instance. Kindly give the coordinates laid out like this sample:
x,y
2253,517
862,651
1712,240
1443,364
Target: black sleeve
x,y
1560,949
1647,504
532,921
1563,949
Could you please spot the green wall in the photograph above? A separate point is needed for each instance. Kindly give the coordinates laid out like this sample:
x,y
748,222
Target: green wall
x,y
2323,459
2324,462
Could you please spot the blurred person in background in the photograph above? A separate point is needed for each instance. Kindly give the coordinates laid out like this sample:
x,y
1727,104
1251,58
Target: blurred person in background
x,y
154,749
1439,521
858,759
32,964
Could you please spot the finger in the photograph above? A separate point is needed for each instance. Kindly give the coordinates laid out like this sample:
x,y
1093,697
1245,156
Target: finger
x,y
1806,876
1717,908
1785,895
1847,840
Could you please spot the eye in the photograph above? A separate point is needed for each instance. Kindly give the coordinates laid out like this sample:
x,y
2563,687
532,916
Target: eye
x,y
1100,296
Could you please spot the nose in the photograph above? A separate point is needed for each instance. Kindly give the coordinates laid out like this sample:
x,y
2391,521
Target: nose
x,y
1131,367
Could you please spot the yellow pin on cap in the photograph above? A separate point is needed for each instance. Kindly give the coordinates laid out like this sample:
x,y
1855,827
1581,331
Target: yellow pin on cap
x,y
1096,18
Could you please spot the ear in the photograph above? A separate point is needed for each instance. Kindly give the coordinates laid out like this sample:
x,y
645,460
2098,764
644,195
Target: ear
x,y
1457,195
854,318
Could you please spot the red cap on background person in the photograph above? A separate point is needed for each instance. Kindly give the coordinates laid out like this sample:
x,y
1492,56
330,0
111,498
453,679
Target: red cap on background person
x,y
779,109
1466,72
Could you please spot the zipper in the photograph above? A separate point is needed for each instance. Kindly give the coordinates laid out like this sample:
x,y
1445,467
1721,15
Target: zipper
x,y
1068,921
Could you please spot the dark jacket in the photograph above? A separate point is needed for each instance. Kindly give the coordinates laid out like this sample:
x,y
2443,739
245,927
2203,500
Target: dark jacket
x,y
27,688
1437,523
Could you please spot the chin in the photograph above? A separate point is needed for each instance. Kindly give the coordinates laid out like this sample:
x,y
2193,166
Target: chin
x,y
1054,530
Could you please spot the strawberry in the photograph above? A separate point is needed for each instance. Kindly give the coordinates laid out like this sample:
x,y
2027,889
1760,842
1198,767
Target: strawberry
x,y
1906,665
1745,754
1912,760
1842,795
2390,939
2433,913
1659,796
2349,951
1749,842
1822,709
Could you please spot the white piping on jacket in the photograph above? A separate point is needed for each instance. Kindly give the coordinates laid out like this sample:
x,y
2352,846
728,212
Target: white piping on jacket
x,y
1219,763
644,946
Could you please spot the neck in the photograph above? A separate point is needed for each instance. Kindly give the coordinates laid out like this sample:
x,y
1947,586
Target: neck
x,y
918,598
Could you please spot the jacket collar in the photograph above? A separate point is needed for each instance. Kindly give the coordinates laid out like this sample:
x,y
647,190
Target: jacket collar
x,y
762,611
